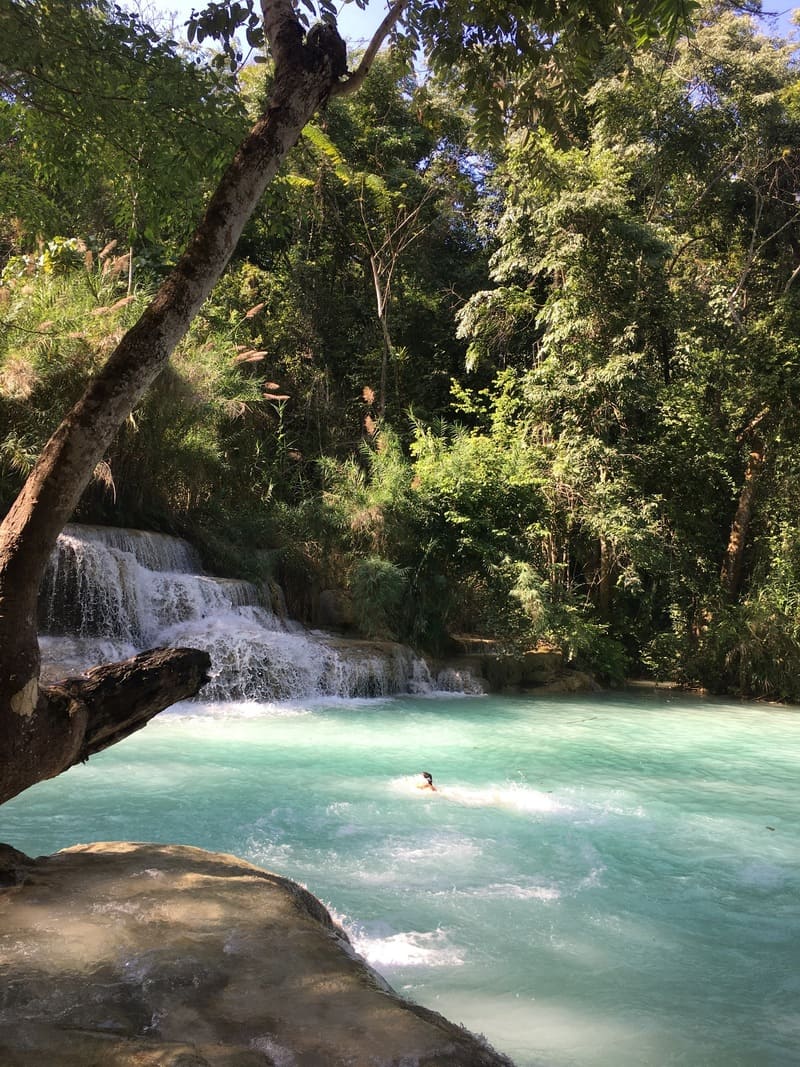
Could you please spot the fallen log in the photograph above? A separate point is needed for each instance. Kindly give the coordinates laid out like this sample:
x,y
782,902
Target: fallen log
x,y
78,717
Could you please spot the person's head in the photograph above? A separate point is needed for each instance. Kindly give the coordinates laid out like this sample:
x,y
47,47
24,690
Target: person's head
x,y
428,777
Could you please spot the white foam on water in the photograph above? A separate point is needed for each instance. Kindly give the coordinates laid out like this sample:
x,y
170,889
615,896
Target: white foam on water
x,y
452,681
422,859
513,797
441,850
410,949
156,551
516,891
448,694
347,830
121,591
227,709
383,947
593,879
271,855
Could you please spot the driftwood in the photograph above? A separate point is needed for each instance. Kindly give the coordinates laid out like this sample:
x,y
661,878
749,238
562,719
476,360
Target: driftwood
x,y
80,716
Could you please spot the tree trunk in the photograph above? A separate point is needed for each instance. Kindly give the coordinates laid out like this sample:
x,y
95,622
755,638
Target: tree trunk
x,y
605,566
733,564
385,357
605,585
382,308
30,720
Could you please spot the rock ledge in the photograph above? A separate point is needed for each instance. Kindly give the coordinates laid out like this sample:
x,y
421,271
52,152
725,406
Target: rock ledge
x,y
135,955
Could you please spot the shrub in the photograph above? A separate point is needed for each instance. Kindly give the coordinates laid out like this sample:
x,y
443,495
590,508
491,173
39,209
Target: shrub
x,y
379,589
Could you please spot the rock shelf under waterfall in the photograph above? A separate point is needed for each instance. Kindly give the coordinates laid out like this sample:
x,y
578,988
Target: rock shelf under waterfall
x,y
109,593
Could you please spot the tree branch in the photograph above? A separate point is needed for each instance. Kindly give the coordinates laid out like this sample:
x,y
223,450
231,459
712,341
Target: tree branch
x,y
356,79
283,30
121,698
78,717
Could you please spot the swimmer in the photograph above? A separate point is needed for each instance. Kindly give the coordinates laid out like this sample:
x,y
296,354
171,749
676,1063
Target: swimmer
x,y
428,783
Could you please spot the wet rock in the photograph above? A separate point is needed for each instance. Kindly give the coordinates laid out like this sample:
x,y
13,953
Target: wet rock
x,y
568,681
15,866
335,610
538,670
115,955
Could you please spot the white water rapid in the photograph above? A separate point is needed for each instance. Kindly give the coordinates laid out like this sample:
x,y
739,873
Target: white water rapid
x,y
109,593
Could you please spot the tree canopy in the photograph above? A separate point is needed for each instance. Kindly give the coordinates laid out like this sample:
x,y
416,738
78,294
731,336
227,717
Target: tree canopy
x,y
507,348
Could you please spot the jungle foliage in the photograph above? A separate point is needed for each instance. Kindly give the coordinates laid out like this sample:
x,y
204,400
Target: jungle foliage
x,y
530,373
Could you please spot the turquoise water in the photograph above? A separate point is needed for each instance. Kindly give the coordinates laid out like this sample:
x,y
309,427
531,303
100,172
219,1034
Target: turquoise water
x,y
602,881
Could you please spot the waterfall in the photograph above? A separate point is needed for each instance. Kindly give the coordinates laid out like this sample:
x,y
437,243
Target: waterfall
x,y
109,593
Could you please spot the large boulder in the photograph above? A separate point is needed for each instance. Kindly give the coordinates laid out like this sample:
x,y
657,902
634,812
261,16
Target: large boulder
x,y
537,670
132,955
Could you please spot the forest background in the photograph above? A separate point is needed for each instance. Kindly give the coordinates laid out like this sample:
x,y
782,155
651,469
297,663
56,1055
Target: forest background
x,y
540,386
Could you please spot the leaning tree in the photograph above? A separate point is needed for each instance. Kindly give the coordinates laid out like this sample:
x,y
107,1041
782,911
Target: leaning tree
x,y
514,61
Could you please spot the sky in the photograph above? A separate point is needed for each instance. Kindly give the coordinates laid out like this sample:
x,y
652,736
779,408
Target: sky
x,y
357,26
354,24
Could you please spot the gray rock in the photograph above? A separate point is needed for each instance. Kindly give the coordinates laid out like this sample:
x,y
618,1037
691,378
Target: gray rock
x,y
131,955
335,609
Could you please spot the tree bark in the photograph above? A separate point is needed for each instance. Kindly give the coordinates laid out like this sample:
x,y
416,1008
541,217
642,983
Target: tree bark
x,y
33,721
605,585
381,303
733,563
79,717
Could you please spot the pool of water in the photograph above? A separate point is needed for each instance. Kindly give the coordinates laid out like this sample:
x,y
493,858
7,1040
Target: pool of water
x,y
601,881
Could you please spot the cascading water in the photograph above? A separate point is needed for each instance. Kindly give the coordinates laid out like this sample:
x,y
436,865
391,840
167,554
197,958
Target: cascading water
x,y
109,593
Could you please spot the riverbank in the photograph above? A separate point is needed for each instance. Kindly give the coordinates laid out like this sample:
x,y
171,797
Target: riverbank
x,y
125,955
